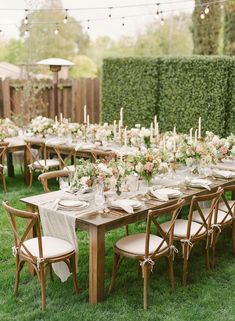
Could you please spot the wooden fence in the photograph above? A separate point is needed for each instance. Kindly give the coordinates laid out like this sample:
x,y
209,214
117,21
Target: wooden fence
x,y
30,98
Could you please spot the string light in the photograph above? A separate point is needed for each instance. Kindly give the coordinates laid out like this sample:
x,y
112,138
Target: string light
x,y
162,21
88,24
110,13
26,20
207,10
66,16
56,30
202,15
123,21
157,12
26,32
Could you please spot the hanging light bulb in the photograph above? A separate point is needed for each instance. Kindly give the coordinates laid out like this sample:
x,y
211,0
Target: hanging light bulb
x,y
162,21
110,13
157,12
26,32
88,24
202,15
207,10
123,22
26,20
66,16
56,31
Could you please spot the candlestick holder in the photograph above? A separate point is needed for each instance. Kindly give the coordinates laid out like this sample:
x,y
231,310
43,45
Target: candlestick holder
x,y
174,163
85,132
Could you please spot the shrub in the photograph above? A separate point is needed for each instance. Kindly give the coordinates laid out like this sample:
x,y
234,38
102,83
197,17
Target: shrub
x,y
178,89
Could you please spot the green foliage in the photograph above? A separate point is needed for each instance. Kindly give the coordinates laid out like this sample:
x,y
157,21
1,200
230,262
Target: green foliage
x,y
178,89
190,88
174,37
229,28
42,42
84,67
129,83
206,31
230,111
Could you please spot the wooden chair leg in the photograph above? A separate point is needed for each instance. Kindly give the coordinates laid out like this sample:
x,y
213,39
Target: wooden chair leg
x,y
207,256
146,276
185,265
43,286
17,275
127,230
171,272
233,236
73,268
30,179
51,272
116,265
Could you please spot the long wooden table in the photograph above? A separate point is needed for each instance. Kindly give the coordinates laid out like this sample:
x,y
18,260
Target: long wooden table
x,y
98,224
18,144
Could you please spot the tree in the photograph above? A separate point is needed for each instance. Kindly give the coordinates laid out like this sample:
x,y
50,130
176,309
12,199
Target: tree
x,y
229,28
42,41
84,67
14,51
206,28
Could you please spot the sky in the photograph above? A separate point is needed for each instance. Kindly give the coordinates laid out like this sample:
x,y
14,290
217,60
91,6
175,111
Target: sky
x,y
10,19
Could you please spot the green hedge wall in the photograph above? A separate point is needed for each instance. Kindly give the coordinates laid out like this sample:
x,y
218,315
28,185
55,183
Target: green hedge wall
x,y
230,111
178,89
130,83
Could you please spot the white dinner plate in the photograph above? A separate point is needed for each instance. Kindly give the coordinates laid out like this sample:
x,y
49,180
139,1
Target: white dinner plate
x,y
71,203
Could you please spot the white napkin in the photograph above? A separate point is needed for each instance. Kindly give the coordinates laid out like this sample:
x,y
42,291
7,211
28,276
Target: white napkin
x,y
122,204
160,195
198,183
224,174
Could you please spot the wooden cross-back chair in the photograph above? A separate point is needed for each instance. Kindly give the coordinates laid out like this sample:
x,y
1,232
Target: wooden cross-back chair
x,y
65,154
38,252
222,219
39,161
3,150
147,247
44,177
188,231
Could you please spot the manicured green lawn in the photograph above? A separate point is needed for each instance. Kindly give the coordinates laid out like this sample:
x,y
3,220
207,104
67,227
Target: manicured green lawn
x,y
210,295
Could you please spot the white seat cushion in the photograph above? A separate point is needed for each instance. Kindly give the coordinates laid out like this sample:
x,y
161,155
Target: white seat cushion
x,y
180,229
220,216
223,207
135,244
70,168
49,163
52,247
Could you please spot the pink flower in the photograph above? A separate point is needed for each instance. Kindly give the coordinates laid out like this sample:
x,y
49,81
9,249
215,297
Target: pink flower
x,y
223,150
148,167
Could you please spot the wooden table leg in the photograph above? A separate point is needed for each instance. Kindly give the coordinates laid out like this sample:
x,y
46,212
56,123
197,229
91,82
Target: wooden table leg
x,y
96,264
26,168
10,167
32,233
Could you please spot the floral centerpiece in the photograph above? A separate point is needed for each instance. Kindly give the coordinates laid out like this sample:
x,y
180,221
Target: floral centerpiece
x,y
220,144
66,128
197,153
147,165
231,141
41,126
7,128
84,176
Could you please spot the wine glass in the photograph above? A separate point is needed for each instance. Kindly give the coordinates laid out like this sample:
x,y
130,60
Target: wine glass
x,y
99,198
64,183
